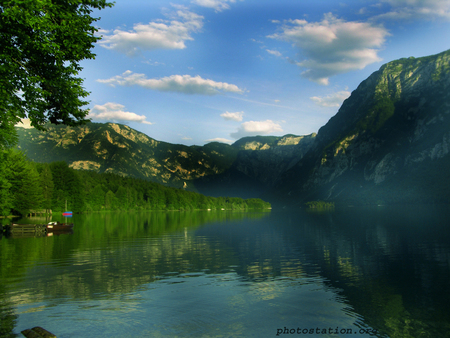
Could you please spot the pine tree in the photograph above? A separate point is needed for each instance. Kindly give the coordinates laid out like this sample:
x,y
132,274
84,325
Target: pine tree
x,y
25,189
5,185
46,182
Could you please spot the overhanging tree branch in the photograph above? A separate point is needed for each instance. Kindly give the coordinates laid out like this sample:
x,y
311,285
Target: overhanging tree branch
x,y
41,45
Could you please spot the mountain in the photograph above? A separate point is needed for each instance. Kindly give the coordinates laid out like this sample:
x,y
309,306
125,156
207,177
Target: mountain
x,y
388,143
116,148
258,165
122,150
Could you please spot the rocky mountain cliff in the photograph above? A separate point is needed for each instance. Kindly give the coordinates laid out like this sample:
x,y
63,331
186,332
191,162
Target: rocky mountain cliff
x,y
122,150
388,143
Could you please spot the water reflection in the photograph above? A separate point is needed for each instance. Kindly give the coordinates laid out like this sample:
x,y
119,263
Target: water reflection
x,y
392,265
115,253
8,318
234,274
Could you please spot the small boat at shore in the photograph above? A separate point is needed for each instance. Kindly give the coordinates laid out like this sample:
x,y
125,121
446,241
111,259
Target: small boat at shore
x,y
57,226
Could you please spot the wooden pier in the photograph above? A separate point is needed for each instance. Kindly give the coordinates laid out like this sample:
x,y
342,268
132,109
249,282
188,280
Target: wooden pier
x,y
25,229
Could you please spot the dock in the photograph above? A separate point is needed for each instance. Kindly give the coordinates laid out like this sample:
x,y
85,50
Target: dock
x,y
25,229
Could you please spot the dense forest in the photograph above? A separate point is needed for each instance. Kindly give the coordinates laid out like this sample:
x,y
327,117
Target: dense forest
x,y
26,185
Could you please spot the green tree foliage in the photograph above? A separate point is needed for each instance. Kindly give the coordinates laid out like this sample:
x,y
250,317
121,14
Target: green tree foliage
x,y
41,45
5,184
379,112
28,186
24,190
320,205
110,201
46,183
67,186
8,134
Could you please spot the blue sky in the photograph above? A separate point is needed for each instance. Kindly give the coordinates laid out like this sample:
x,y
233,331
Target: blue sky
x,y
196,71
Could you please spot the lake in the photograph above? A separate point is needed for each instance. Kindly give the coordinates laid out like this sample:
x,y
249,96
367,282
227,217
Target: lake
x,y
357,272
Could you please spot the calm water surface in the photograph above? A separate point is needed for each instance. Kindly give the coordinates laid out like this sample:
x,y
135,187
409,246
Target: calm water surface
x,y
380,272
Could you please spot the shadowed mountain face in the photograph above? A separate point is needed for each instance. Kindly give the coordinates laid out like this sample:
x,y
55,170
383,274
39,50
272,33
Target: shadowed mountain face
x,y
388,143
258,166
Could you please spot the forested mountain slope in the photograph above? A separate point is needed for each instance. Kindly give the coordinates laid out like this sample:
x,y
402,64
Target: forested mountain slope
x,y
117,148
122,150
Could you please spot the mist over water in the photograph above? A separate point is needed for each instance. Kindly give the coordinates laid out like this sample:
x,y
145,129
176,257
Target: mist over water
x,y
364,271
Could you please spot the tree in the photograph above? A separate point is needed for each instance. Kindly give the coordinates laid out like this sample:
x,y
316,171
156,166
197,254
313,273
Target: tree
x,y
46,182
25,190
67,187
110,200
41,45
122,197
96,198
5,184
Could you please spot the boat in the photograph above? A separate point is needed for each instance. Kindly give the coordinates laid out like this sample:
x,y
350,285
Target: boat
x,y
57,226
59,232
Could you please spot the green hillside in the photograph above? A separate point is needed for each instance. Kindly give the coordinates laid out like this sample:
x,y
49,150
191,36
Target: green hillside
x,y
116,148
119,149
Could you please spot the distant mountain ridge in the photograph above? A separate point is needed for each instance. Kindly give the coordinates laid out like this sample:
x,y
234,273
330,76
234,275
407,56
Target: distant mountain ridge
x,y
117,148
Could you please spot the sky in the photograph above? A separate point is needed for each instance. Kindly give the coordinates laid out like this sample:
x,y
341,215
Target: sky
x,y
196,71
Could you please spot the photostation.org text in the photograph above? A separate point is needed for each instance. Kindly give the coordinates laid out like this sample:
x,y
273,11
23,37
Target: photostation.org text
x,y
323,330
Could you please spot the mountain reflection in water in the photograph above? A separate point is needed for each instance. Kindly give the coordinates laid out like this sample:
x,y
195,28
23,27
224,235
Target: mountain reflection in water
x,y
380,272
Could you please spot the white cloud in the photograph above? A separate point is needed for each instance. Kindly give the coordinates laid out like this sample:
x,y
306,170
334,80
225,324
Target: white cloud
x,y
153,63
159,34
101,31
113,112
266,103
257,41
416,9
237,116
332,100
219,139
274,52
333,46
254,128
217,5
176,83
